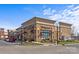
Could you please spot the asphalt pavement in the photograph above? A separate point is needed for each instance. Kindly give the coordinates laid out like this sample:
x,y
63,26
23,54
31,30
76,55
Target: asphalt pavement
x,y
4,43
14,48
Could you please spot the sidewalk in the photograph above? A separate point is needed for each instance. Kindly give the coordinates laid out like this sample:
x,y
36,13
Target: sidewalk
x,y
47,44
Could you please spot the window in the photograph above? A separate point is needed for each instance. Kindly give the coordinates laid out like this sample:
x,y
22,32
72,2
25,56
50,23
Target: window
x,y
45,34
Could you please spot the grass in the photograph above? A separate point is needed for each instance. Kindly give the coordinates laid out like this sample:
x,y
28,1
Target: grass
x,y
62,42
68,42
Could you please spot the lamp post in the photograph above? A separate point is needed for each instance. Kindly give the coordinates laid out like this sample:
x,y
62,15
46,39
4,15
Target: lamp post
x,y
57,30
57,35
21,35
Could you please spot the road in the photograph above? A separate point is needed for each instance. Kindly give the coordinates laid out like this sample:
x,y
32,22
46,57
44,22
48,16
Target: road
x,y
11,48
4,43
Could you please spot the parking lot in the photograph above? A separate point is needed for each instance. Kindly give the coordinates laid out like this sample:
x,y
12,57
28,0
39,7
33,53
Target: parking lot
x,y
13,48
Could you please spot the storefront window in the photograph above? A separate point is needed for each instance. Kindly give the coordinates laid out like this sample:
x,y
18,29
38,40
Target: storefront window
x,y
45,34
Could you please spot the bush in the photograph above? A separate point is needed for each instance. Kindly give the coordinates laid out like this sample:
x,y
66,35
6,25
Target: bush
x,y
63,44
68,41
45,40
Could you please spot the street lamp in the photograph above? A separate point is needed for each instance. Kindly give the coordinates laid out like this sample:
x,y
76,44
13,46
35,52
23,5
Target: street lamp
x,y
57,30
21,35
57,35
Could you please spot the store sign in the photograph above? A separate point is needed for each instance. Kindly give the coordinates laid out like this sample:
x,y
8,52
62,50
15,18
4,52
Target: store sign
x,y
43,27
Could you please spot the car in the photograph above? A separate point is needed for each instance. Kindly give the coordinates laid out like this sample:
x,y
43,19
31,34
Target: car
x,y
7,39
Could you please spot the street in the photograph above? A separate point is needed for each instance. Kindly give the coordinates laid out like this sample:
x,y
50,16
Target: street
x,y
4,43
11,48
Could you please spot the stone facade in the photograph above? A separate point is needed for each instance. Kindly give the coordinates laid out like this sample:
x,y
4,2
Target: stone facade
x,y
38,29
65,30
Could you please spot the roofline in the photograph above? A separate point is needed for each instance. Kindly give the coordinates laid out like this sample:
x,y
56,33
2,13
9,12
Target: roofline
x,y
39,18
27,20
65,23
45,19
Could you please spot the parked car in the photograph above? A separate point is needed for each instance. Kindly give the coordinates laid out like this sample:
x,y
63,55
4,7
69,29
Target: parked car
x,y
6,39
12,39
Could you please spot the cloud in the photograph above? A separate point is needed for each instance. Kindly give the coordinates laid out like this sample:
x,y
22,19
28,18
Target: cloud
x,y
48,11
69,15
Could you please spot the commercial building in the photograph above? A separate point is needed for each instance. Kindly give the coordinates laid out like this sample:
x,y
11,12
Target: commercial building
x,y
1,33
65,31
40,29
5,34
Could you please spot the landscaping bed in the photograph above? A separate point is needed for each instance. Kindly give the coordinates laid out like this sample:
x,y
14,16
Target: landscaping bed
x,y
32,43
63,42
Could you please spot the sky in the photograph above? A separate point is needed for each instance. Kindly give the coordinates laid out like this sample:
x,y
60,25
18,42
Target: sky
x,y
13,15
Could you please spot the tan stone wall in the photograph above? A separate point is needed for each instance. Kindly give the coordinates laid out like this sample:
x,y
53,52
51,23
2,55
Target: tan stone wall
x,y
29,33
43,24
65,30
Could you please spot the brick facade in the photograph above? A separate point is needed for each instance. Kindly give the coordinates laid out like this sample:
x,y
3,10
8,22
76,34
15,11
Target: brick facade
x,y
38,29
1,33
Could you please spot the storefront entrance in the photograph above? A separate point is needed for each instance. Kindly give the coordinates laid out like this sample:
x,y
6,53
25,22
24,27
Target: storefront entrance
x,y
45,35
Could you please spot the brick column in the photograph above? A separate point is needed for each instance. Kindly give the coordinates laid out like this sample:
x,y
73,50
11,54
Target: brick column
x,y
52,34
37,33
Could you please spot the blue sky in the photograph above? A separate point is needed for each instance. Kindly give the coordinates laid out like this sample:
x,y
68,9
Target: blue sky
x,y
12,15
